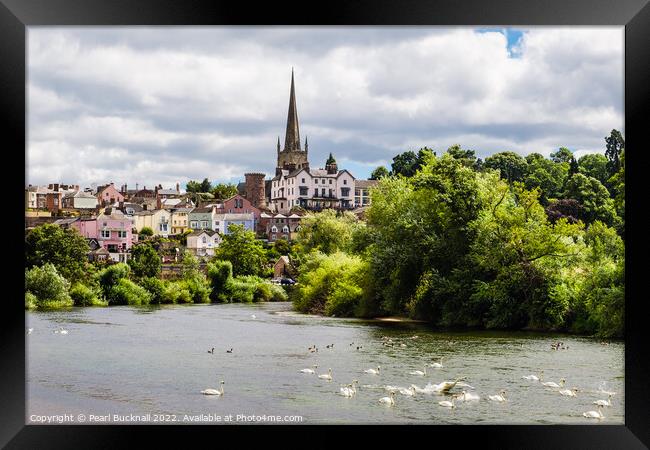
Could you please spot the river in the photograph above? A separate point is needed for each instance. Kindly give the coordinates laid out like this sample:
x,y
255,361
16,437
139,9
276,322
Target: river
x,y
151,364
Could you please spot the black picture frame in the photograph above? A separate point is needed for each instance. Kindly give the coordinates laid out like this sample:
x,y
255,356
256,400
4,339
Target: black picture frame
x,y
16,15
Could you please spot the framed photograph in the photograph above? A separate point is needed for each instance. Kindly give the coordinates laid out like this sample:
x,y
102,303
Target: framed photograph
x,y
381,214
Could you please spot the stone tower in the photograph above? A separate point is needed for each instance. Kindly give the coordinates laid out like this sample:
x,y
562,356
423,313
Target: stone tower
x,y
292,157
255,192
331,166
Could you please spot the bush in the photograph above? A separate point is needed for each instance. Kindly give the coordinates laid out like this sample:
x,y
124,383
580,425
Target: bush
x,y
177,292
220,277
48,287
242,291
126,292
145,232
83,295
156,287
31,302
198,288
278,294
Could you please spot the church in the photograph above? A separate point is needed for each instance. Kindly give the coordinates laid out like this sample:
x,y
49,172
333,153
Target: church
x,y
296,183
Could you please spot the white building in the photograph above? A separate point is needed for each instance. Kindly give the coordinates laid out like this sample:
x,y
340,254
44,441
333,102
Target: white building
x,y
203,242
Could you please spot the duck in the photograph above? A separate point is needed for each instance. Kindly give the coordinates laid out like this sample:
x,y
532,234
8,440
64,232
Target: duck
x,y
229,351
569,392
437,365
213,391
501,397
326,376
211,351
607,402
309,370
553,384
594,414
373,371
419,372
390,400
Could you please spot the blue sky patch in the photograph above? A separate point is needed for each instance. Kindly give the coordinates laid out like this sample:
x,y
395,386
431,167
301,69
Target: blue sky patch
x,y
513,37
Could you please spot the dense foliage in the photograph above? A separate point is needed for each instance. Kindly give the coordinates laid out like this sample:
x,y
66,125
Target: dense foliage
x,y
510,243
65,248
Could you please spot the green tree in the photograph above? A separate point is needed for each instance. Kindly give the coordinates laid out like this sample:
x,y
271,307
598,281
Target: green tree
x,y
379,172
408,163
243,250
546,175
327,231
223,191
614,148
196,187
145,261
563,155
66,249
594,198
48,288
146,232
467,157
594,165
511,165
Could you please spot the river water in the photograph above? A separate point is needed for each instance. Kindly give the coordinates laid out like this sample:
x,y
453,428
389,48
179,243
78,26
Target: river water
x,y
151,364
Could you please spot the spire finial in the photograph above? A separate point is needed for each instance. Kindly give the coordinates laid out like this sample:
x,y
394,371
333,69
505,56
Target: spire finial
x,y
306,144
278,144
292,137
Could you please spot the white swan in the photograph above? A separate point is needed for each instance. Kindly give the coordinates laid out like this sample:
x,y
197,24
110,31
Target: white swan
x,y
569,392
447,403
437,365
419,372
326,376
213,391
29,330
407,391
349,390
309,370
499,397
373,371
594,414
445,386
468,396
61,331
607,402
533,377
553,384
253,316
390,400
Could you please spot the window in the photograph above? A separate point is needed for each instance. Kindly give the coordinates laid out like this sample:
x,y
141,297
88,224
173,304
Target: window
x,y
204,224
121,234
303,190
331,195
323,192
106,234
194,224
285,229
273,237
274,229
205,240
298,228
345,181
316,192
345,192
163,226
330,181
303,180
316,181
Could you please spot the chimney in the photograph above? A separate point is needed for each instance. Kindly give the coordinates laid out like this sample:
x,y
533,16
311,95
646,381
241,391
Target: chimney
x,y
136,186
56,187
178,187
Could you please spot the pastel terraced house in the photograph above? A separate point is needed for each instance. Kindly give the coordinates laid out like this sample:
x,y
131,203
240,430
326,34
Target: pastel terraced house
x,y
159,220
180,219
203,242
107,195
205,218
112,230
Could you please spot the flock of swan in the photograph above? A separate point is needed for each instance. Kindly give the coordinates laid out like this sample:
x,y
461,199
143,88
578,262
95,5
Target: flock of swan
x,y
573,392
349,390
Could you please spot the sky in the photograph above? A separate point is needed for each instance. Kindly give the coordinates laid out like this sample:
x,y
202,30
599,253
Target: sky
x,y
161,105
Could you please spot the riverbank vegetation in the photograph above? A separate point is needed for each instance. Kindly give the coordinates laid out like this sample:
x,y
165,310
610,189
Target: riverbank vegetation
x,y
509,242
58,273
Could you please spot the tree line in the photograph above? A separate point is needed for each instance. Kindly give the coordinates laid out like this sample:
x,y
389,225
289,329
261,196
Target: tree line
x,y
508,242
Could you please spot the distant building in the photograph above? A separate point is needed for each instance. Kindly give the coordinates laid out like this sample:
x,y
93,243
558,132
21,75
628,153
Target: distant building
x,y
280,226
107,195
159,220
80,200
362,192
203,242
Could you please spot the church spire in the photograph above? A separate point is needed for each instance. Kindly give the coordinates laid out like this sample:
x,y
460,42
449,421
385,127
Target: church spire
x,y
306,145
278,144
292,137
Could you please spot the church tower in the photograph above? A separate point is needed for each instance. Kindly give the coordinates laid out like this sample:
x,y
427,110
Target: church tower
x,y
292,157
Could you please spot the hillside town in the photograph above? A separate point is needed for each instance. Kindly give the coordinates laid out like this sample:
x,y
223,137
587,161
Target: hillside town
x,y
111,217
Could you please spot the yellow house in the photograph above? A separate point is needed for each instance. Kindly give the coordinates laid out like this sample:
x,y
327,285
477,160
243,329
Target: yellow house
x,y
179,218
158,220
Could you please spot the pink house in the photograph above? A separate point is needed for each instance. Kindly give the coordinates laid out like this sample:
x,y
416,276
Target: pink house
x,y
113,231
107,195
239,205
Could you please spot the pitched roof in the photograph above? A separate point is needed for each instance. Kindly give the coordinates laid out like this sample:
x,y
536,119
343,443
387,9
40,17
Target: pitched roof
x,y
200,232
366,183
249,216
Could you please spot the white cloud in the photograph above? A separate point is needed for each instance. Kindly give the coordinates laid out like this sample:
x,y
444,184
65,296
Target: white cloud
x,y
153,105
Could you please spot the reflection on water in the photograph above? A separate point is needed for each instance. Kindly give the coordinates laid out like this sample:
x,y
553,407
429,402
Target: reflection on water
x,y
155,360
